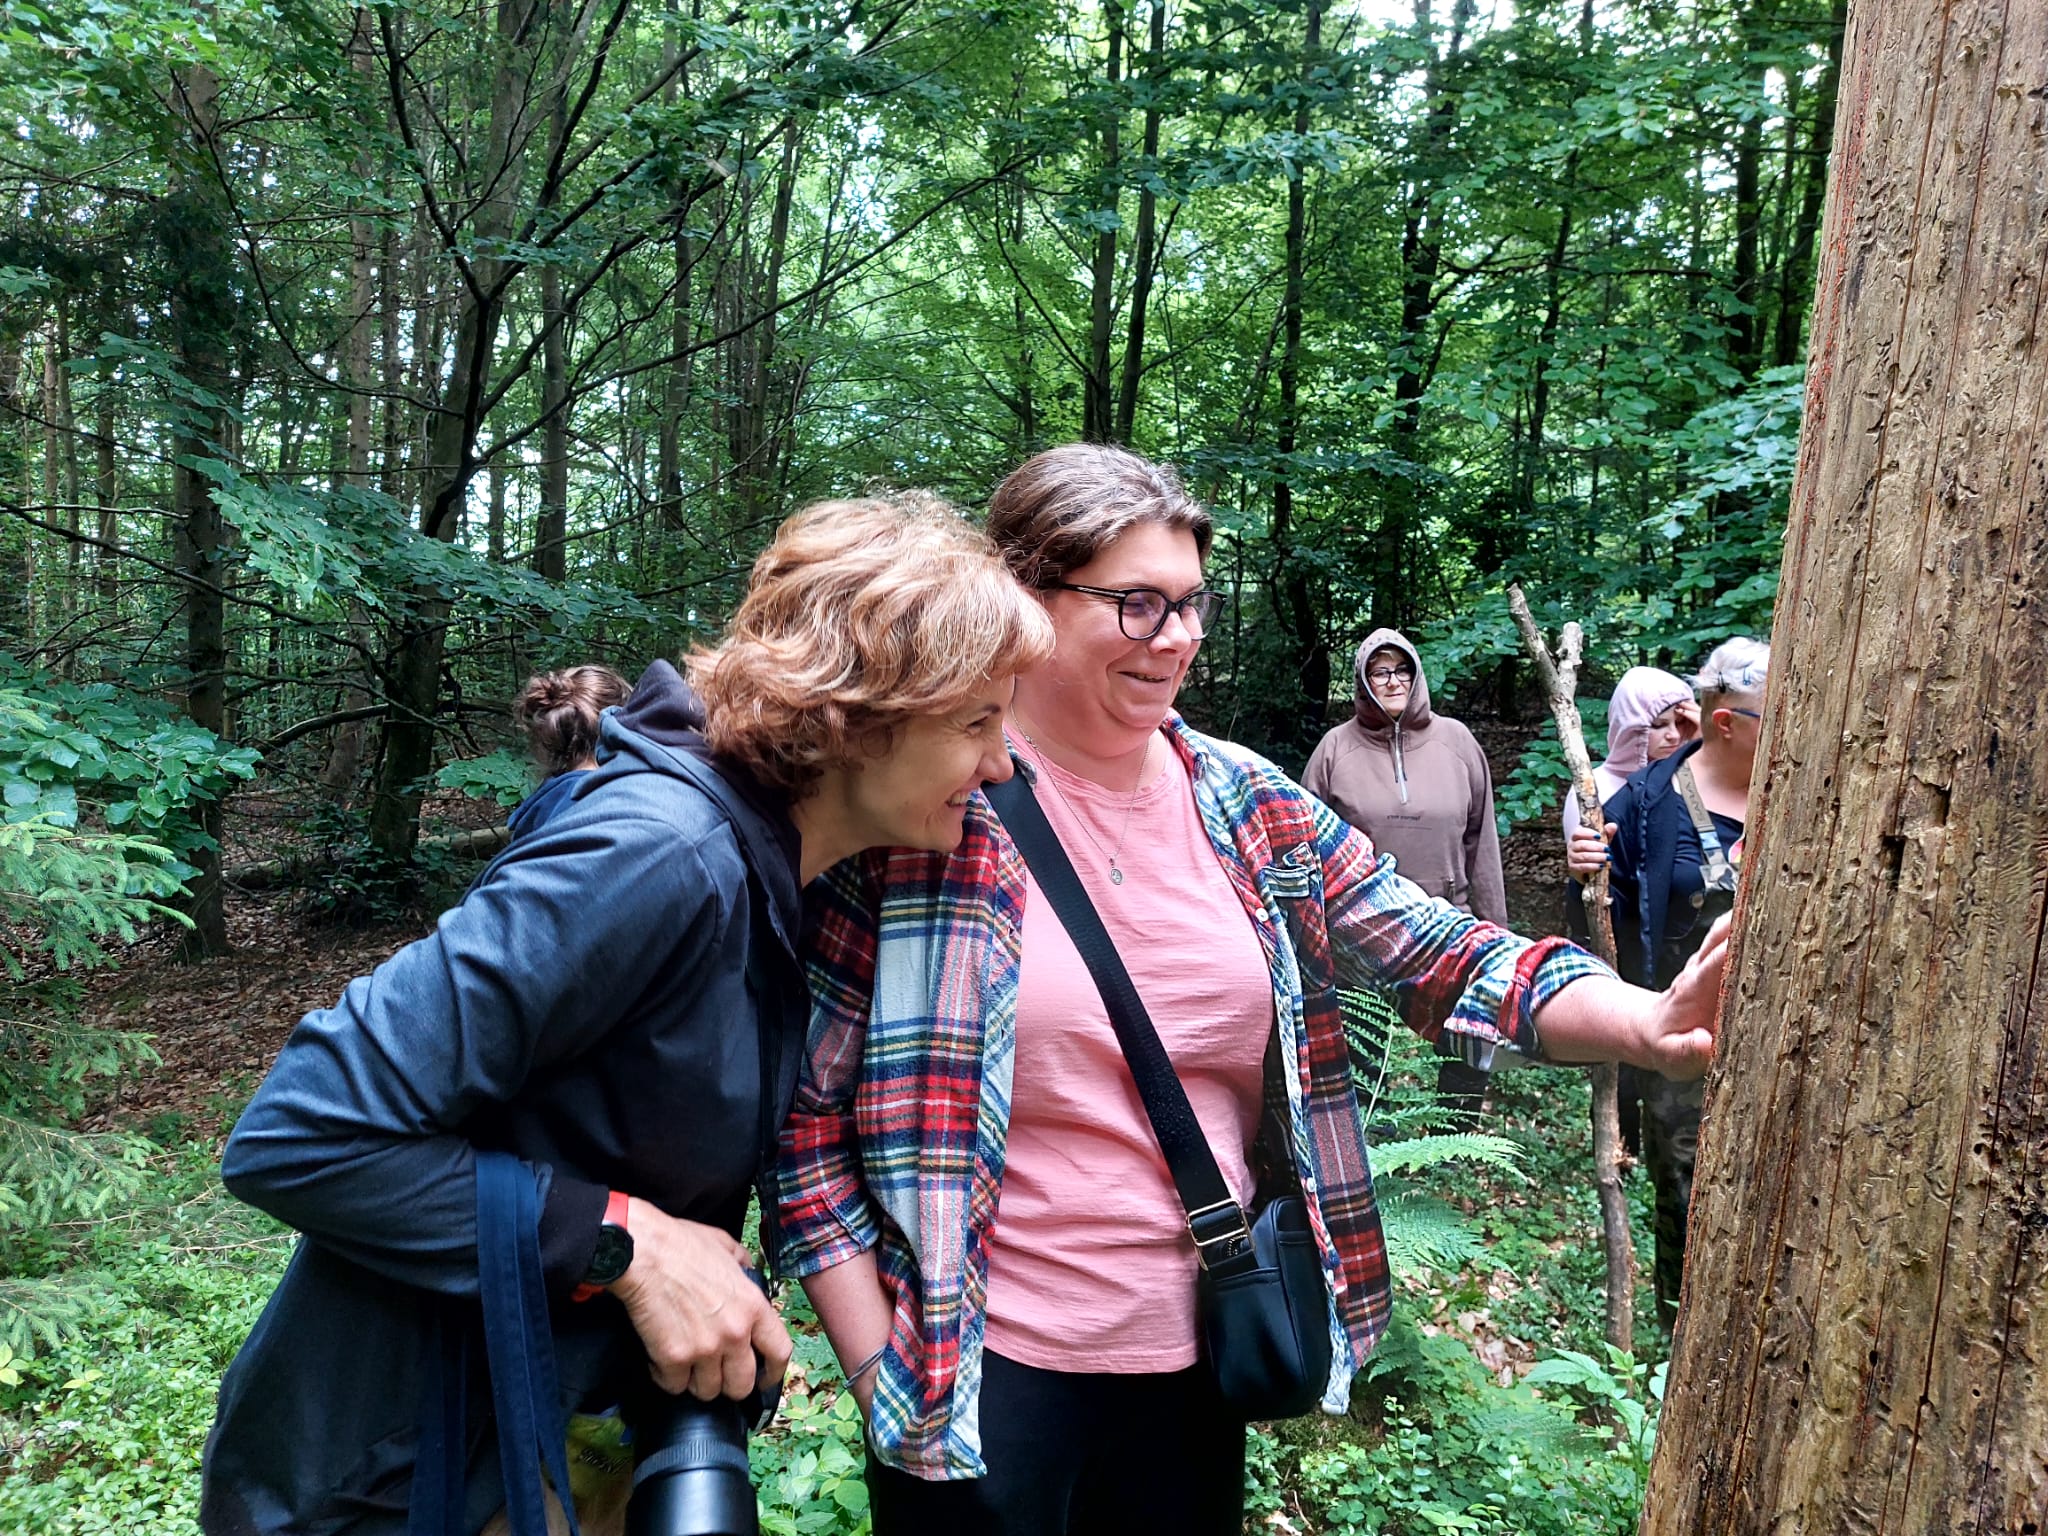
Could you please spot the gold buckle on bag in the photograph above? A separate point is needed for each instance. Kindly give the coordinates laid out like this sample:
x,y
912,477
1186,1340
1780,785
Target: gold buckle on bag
x,y
1238,1235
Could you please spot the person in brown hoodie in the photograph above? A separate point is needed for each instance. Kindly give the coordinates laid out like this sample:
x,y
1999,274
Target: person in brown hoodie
x,y
1416,783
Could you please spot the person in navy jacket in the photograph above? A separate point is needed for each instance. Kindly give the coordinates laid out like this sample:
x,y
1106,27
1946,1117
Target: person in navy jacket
x,y
617,1003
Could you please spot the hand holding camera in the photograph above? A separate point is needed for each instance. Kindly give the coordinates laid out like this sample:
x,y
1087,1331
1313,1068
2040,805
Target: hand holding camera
x,y
707,1327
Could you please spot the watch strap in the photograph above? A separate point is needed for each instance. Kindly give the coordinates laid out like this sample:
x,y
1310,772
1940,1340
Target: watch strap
x,y
617,1206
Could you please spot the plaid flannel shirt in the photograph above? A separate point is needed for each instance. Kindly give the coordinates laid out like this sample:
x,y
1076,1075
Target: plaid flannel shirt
x,y
897,1139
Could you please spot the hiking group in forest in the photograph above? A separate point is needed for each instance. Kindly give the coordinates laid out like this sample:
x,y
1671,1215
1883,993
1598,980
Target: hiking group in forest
x,y
913,912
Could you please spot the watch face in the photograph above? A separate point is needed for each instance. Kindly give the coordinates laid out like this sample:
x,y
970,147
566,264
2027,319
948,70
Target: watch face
x,y
614,1252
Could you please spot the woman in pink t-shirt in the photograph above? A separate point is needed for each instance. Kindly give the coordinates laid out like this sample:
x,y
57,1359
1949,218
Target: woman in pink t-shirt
x,y
969,1184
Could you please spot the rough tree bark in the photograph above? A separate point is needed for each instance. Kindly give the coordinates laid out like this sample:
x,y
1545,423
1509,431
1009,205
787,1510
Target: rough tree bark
x,y
1863,1345
1560,678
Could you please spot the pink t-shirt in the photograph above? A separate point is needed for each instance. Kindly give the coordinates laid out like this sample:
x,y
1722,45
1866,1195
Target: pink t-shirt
x,y
1090,1266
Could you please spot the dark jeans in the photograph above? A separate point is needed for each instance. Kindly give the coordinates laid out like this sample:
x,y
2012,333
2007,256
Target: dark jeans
x,y
1460,1090
1082,1455
1671,1143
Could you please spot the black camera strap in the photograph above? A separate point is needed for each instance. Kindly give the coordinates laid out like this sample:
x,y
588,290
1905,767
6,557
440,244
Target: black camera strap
x,y
1216,1221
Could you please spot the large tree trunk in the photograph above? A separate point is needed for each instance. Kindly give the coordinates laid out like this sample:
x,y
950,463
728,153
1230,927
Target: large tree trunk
x,y
1863,1344
202,318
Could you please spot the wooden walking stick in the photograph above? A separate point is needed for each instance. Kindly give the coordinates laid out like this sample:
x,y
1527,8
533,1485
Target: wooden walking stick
x,y
1560,677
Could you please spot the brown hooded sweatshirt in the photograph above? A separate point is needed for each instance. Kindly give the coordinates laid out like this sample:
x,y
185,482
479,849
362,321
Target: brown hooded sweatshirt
x,y
1419,787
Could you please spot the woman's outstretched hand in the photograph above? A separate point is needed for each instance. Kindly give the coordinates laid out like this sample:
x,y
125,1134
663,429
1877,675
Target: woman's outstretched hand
x,y
708,1329
1681,1028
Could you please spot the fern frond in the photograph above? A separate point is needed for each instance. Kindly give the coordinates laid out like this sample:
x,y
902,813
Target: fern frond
x,y
1536,1430
1425,1234
1420,1153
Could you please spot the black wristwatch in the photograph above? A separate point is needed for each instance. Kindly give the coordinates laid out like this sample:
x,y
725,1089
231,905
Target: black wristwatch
x,y
614,1252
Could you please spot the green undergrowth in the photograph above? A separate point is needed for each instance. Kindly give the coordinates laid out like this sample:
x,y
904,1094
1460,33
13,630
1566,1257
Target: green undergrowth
x,y
1497,1276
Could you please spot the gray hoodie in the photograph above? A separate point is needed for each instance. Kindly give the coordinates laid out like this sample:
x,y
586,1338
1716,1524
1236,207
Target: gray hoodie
x,y
1418,786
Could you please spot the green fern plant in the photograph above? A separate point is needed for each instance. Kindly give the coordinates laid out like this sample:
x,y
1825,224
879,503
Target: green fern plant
x,y
1394,1073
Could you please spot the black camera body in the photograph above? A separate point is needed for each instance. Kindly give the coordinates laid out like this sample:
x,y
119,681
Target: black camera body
x,y
690,1475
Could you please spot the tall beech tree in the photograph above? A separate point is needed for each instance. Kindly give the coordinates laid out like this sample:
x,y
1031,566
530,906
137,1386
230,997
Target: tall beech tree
x,y
1863,1344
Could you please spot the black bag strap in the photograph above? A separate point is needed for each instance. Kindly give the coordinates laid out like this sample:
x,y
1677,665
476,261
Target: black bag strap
x,y
1215,1220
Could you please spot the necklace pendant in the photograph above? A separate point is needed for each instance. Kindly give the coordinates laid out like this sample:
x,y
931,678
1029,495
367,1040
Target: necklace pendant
x,y
1116,876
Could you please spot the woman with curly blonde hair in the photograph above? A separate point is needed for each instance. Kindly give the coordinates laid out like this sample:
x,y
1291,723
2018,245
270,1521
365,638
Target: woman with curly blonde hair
x,y
611,1020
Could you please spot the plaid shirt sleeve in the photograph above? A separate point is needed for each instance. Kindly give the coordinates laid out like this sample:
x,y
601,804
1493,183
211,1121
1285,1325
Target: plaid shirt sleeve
x,y
825,1213
1470,987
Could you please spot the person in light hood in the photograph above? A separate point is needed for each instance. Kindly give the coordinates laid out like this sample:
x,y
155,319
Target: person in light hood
x,y
1413,781
1416,783
1651,715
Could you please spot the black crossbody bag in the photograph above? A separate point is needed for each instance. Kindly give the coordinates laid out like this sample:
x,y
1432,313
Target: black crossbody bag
x,y
1261,1305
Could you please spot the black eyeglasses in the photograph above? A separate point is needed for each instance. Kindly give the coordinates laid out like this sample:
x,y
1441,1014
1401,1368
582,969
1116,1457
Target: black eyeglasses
x,y
1387,676
1142,611
1749,712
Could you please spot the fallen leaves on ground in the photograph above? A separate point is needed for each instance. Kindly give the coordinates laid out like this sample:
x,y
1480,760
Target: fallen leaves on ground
x,y
217,1024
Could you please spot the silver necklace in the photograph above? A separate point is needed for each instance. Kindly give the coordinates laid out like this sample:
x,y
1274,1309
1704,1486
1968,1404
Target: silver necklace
x,y
1116,875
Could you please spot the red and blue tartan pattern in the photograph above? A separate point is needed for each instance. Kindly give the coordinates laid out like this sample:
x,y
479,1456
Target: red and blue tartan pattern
x,y
898,1134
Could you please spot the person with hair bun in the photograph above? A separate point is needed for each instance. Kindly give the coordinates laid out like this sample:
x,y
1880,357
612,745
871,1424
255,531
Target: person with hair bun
x,y
559,712
970,1185
609,1026
1673,845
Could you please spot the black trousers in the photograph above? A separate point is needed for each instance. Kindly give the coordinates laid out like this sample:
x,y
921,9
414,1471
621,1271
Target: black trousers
x,y
1082,1455
1460,1090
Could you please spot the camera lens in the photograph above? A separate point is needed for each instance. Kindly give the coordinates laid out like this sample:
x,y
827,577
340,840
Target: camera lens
x,y
693,1479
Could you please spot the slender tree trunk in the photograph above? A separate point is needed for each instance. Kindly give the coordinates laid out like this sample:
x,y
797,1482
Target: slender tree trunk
x,y
390,303
202,302
551,535
368,311
1796,276
1098,394
60,477
1024,403
1560,679
677,377
107,497
1144,253
758,429
451,463
1310,652
1862,1344
1749,217
64,420
1421,260
551,541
